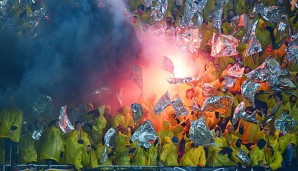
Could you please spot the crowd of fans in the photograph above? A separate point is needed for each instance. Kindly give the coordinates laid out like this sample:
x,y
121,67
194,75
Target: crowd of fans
x,y
268,148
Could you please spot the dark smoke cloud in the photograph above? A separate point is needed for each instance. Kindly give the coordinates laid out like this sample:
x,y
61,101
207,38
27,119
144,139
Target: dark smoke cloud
x,y
79,48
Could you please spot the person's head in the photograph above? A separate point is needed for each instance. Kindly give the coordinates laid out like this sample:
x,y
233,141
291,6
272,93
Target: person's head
x,y
217,132
216,66
247,69
88,148
278,97
126,110
230,65
261,143
270,148
107,110
169,21
269,48
190,93
78,125
229,129
141,9
267,131
238,143
135,19
193,145
249,109
175,140
174,11
293,99
232,13
262,24
130,129
260,116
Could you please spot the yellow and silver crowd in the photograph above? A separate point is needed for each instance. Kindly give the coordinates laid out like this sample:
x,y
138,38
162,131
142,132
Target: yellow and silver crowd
x,y
267,147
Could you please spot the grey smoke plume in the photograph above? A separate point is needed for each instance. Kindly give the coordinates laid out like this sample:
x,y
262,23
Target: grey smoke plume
x,y
79,47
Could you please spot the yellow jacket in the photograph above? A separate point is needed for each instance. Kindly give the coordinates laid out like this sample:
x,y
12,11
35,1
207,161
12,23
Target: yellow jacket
x,y
251,132
194,157
85,159
275,160
72,146
294,27
277,54
140,157
52,144
236,150
11,117
125,119
2,151
285,140
262,34
27,153
152,155
241,7
169,153
257,156
98,154
122,141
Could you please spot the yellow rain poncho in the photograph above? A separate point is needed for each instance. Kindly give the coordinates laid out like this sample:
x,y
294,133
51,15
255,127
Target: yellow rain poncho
x,y
11,118
72,146
98,153
169,153
52,144
257,156
122,150
125,119
152,155
273,160
262,34
98,126
194,157
84,159
140,157
27,153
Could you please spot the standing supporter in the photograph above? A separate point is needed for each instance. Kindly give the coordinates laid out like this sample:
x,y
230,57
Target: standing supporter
x,y
257,156
98,124
273,158
287,143
219,155
123,119
169,152
140,156
27,152
236,148
99,154
195,156
52,149
230,135
74,142
85,158
153,153
262,34
165,132
11,120
278,54
122,148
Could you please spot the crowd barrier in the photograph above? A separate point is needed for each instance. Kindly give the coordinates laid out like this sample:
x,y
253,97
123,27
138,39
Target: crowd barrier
x,y
35,167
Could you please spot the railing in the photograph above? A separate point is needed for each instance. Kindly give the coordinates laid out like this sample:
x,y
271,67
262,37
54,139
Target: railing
x,y
37,167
